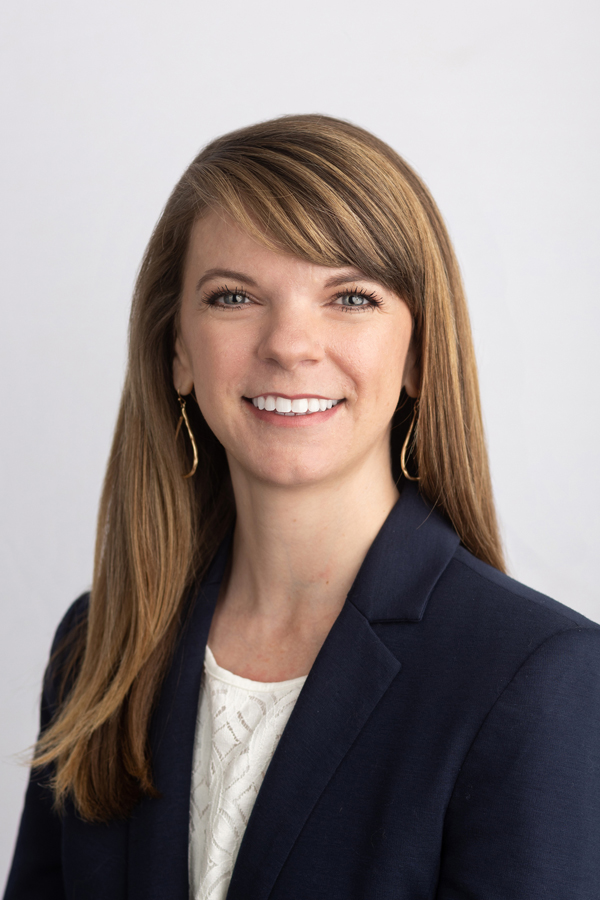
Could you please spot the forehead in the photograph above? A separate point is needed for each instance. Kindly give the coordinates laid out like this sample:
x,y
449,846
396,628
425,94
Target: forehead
x,y
220,248
217,237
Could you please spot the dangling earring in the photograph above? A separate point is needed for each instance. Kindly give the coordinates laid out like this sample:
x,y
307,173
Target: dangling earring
x,y
405,446
183,418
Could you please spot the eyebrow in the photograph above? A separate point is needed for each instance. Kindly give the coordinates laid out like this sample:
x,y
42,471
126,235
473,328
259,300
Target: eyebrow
x,y
224,273
334,281
346,277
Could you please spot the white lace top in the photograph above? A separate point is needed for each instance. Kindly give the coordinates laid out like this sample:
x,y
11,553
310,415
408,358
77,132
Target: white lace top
x,y
238,728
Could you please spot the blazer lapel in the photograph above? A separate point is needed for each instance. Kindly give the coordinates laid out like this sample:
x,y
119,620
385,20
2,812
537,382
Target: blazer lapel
x,y
348,678
158,831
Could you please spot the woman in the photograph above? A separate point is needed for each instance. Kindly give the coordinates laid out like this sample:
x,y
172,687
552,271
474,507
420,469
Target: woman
x,y
302,671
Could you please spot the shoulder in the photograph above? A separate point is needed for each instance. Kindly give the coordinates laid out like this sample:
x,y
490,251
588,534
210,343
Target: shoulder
x,y
489,616
64,655
478,628
507,590
75,617
485,585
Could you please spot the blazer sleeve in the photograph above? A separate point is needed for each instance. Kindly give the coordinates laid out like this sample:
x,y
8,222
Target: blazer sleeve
x,y
524,818
36,871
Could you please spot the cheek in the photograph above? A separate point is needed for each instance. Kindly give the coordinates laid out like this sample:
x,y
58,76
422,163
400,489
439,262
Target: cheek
x,y
375,365
219,361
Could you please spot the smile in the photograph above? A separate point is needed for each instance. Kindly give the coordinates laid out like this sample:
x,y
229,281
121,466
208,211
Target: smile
x,y
300,406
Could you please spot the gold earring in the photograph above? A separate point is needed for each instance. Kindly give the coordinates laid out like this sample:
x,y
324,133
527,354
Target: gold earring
x,y
405,446
183,418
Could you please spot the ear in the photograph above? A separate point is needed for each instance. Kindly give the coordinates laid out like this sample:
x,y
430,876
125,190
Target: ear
x,y
411,378
182,369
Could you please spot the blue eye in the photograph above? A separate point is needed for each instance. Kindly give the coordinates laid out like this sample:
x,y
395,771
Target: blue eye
x,y
354,300
227,298
358,300
234,299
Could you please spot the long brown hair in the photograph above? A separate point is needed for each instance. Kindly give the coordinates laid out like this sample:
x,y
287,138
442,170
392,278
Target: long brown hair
x,y
330,193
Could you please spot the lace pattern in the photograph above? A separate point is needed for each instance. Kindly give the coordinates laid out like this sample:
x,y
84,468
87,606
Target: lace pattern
x,y
238,728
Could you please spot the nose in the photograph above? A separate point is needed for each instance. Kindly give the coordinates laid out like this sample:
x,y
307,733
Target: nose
x,y
291,337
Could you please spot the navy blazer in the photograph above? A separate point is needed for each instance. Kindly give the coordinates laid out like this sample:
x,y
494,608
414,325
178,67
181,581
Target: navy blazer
x,y
445,745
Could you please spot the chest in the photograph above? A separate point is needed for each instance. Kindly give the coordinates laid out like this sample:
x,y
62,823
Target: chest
x,y
352,803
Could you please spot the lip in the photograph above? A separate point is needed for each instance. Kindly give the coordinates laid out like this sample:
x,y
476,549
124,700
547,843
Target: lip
x,y
292,396
279,421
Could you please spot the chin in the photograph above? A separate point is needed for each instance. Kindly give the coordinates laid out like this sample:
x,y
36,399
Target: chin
x,y
290,472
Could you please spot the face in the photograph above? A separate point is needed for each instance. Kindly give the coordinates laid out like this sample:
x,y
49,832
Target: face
x,y
297,367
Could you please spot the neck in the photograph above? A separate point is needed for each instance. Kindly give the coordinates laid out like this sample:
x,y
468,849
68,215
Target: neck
x,y
297,551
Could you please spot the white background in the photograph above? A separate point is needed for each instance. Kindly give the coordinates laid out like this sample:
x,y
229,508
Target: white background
x,y
496,104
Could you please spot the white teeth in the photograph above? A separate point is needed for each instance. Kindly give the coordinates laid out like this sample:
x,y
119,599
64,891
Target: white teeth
x,y
299,407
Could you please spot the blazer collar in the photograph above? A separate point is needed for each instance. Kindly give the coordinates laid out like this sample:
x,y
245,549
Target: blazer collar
x,y
405,561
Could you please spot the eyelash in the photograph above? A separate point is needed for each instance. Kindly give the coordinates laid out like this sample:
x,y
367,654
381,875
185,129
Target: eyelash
x,y
374,301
